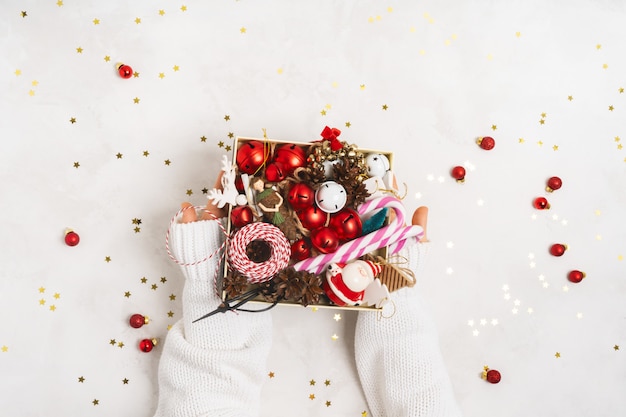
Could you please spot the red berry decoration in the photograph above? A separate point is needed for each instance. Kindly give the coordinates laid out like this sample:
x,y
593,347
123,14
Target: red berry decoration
x,y
541,203
458,173
347,224
275,172
71,238
576,276
137,320
290,157
250,156
491,375
241,216
125,71
146,345
487,143
312,217
325,240
300,250
301,196
554,183
558,249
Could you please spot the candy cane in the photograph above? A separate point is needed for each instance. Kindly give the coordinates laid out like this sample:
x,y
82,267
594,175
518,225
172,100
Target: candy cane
x,y
390,234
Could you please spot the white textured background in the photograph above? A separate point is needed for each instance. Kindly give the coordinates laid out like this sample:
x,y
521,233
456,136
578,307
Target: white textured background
x,y
448,72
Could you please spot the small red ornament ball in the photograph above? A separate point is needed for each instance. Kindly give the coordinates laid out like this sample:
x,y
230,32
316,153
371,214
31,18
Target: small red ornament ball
x,y
576,276
554,183
125,71
493,376
458,173
325,240
71,238
312,217
487,143
301,196
146,345
137,320
541,203
290,157
241,216
347,224
275,172
558,249
300,250
250,156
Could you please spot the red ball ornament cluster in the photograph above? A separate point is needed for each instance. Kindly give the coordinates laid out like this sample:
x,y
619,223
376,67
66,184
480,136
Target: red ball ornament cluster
x,y
491,375
125,71
71,238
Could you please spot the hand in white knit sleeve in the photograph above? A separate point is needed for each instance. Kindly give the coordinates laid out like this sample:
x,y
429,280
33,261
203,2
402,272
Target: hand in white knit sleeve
x,y
214,367
398,358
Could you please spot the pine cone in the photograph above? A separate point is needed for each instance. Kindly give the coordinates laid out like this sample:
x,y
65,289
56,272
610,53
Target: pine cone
x,y
268,291
312,289
351,175
235,284
288,284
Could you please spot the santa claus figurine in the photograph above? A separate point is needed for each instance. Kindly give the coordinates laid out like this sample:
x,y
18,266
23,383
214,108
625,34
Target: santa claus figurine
x,y
355,283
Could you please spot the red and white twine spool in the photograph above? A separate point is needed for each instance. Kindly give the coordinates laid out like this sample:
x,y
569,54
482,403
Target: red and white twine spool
x,y
257,272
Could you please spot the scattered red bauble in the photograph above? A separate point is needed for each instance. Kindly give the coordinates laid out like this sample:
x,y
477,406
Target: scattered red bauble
x,y
125,71
241,216
146,345
558,249
487,143
250,156
312,217
275,172
458,173
325,240
290,156
300,250
71,238
576,276
137,320
541,203
554,183
347,224
301,196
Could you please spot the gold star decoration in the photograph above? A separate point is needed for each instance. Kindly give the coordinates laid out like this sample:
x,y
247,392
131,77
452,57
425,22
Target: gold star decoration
x,y
144,280
136,100
154,287
364,414
183,8
72,120
135,74
334,337
570,98
79,50
542,121
161,75
220,144
120,345
385,107
555,147
42,290
60,3
107,259
112,342
611,108
557,355
362,87
107,58
127,294
137,229
328,403
189,192
312,382
540,143
119,155
202,138
518,34
494,127
167,162
137,20
521,140
5,348
616,139
42,302
146,153
161,12
616,348
176,68
205,190
311,396
95,402
53,308
231,135
81,379
96,21
598,46
76,164
621,90
136,221
170,313
31,92
172,297
56,295
227,117
24,14
18,72
125,381
605,66
271,374
348,124
242,30
228,148
163,280
323,112
327,382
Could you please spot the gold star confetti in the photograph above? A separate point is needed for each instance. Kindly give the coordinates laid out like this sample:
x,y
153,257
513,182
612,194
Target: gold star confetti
x,y
494,127
311,396
189,192
31,92
170,313
18,72
555,147
5,348
163,280
389,9
183,8
337,317
107,259
127,294
135,74
137,229
79,50
228,148
348,124
617,139
34,83
370,19
176,68
520,140
323,112
24,14
146,153
42,290
334,337
167,162
154,287
327,382
81,379
136,221
53,307
125,381
227,117
385,107
112,342
231,135
542,121
137,20
169,327
242,30
96,21
119,155
72,120
598,46
120,345
60,3
621,90
56,295
271,374
570,98
162,12
95,402
220,144
518,34
144,280
205,190
605,66
42,302
136,100
172,297
76,164
312,382
161,75
107,58
616,348
611,108
557,355
362,87
540,143
328,403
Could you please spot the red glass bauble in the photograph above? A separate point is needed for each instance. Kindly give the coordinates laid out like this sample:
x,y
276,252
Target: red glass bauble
x,y
250,156
146,345
576,276
493,376
137,320
312,217
301,196
239,184
541,203
324,239
125,71
458,173
300,250
347,224
275,172
290,156
71,238
554,183
241,216
487,143
558,249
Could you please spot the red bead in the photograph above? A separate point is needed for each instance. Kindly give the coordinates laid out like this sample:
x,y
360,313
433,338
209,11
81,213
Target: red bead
x,y
312,217
125,71
241,216
301,196
250,156
71,238
137,320
146,345
458,173
325,240
493,376
487,143
347,224
275,172
290,156
554,183
576,276
558,249
541,203
301,250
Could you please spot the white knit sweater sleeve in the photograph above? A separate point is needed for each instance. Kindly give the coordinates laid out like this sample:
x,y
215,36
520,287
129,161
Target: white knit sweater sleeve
x,y
214,367
398,359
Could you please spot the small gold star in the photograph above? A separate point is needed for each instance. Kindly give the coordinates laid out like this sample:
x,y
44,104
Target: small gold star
x,y
72,120
620,257
621,90
557,355
540,143
56,295
112,342
617,139
146,153
120,345
334,337
24,14
271,374
137,20
518,34
328,403
81,379
598,46
555,147
144,280
31,92
107,259
205,190
137,229
220,144
570,98
161,75
53,307
311,396
176,68
389,9
76,164
119,155
79,50
169,327
18,72
170,313
183,8
107,58
385,107
172,297
542,121
323,112
163,280
362,87
60,3
162,12
328,106
231,135
605,66
337,317
136,221
167,162
543,115
348,124
619,146
42,302
95,402
227,117
312,382
494,127
135,74
5,348
520,140
228,148
610,108
154,287
96,21
34,83
364,414
125,381
242,30
327,382
189,192
616,347
42,290
127,294
136,100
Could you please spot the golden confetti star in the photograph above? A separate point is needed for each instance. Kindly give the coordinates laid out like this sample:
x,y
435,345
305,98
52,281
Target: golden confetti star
x,y
154,287
176,68
163,280
42,290
107,58
34,83
95,402
228,148
231,135
521,140
120,345
271,374
621,90
616,347
136,100
125,381
24,14
227,117
5,348
605,66
96,21
327,382
107,259
170,314
311,396
570,98
518,34
348,124
617,139
189,192
328,403
540,143
542,121
598,46
31,92
242,30
205,190
137,20
72,120
312,382
220,144
81,379
323,112
167,162
555,147
144,280
135,74
183,8
334,337
127,294
18,72
557,355
364,414
42,302
161,75
202,138
119,155
76,164
161,12
146,153
60,3
172,297
56,295
53,308
611,108
112,342
137,229
385,107
362,87
494,127
136,221
79,50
